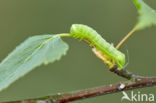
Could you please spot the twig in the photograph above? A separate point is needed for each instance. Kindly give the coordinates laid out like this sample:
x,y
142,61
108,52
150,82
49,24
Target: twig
x,y
125,38
126,74
82,94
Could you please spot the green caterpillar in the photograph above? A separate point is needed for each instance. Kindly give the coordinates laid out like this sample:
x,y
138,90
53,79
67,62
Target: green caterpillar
x,y
81,31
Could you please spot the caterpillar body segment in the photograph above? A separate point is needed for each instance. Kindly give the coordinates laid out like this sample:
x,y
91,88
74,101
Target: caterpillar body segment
x,y
81,32
103,57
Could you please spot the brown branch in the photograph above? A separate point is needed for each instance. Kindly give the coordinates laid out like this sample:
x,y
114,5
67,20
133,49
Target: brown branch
x,y
126,74
82,94
137,82
106,90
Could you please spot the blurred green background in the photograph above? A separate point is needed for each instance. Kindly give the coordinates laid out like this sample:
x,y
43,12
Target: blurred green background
x,y
80,68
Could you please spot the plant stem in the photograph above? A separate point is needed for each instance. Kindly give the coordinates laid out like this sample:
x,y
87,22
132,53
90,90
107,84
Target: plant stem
x,y
125,38
65,35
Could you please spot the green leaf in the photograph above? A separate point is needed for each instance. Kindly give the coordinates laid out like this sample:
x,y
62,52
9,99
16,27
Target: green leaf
x,y
33,52
147,16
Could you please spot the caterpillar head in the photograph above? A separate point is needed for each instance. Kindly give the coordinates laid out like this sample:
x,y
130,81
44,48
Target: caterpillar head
x,y
120,61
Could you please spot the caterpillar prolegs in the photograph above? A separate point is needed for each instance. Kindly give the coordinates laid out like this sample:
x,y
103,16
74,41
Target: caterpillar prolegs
x,y
102,48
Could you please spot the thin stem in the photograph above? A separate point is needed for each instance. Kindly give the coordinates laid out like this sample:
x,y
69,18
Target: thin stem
x,y
65,35
125,38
